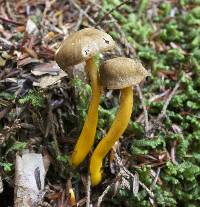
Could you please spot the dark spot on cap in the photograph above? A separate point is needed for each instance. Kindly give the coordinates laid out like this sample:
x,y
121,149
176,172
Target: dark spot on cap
x,y
87,51
106,41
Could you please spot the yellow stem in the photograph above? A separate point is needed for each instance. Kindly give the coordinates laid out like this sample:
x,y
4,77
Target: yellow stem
x,y
86,138
118,127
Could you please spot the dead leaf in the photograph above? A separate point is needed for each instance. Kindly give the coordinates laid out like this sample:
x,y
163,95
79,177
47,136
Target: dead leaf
x,y
2,62
31,52
49,80
5,55
31,27
46,68
27,61
20,29
9,80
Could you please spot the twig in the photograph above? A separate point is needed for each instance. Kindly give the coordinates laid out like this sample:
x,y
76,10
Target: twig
x,y
110,12
11,21
151,194
173,153
155,178
144,109
1,185
123,172
119,161
61,121
162,114
164,109
100,199
82,11
88,190
80,19
159,96
130,50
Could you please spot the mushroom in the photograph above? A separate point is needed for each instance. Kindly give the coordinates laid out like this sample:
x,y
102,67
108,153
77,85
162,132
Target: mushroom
x,y
118,73
76,48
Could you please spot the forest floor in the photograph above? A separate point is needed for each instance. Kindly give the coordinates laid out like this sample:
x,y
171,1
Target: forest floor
x,y
42,108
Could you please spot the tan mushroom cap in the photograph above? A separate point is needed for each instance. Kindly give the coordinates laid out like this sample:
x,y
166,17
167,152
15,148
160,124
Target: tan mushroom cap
x,y
121,72
82,45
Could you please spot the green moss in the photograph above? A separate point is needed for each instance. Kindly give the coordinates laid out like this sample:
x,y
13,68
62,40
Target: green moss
x,y
34,97
168,41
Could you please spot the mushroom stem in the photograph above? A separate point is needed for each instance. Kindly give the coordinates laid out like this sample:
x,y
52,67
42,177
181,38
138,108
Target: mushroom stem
x,y
86,138
118,127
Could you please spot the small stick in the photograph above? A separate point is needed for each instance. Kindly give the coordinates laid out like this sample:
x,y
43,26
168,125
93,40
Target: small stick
x,y
164,109
100,199
155,178
11,21
159,96
61,122
110,12
144,109
119,161
173,153
1,185
80,19
162,114
83,12
88,189
151,194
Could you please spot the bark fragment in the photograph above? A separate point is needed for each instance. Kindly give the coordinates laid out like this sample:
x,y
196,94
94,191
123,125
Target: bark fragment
x,y
29,179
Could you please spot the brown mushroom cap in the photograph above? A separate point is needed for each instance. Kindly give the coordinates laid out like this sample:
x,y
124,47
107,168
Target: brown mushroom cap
x,y
82,45
121,72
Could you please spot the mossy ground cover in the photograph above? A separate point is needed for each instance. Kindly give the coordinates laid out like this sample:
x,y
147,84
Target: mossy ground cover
x,y
166,37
